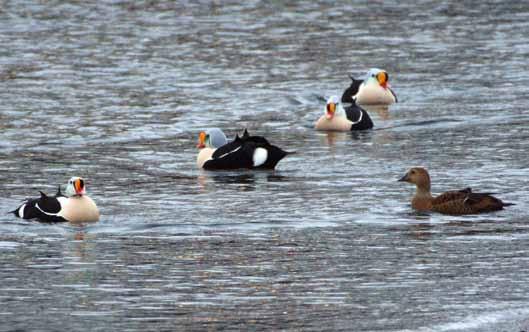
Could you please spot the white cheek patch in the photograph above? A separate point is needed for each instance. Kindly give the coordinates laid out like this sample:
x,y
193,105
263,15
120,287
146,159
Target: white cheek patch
x,y
259,157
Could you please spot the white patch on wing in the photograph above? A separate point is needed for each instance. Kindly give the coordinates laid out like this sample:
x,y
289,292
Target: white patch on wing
x,y
259,157
227,153
21,211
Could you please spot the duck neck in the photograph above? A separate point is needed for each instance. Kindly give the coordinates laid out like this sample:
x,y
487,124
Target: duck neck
x,y
422,200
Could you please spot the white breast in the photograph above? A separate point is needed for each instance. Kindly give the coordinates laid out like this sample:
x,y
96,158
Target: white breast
x,y
203,156
374,94
334,124
79,209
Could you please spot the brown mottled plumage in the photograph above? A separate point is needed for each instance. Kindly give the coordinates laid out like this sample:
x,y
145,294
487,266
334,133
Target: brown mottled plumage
x,y
451,202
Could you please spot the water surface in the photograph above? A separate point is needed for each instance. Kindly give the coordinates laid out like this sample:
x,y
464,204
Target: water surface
x,y
117,92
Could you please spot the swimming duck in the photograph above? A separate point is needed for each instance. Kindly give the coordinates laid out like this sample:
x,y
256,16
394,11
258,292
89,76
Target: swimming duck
x,y
336,118
348,94
253,152
75,207
374,89
451,202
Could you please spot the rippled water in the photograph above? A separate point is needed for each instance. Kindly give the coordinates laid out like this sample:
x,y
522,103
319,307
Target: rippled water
x,y
117,92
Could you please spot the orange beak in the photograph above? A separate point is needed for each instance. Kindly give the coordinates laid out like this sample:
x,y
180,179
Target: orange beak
x,y
331,108
201,140
79,186
382,78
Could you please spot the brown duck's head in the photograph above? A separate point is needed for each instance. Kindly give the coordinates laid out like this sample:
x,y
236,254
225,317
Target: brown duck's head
x,y
418,176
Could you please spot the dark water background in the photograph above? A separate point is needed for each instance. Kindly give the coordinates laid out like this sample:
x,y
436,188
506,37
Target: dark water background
x,y
117,92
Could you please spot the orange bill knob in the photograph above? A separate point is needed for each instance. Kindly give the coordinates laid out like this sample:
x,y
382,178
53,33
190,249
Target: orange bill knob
x,y
201,140
79,186
331,108
382,78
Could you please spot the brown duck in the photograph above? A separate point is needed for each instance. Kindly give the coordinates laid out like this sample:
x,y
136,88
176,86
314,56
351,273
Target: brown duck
x,y
451,202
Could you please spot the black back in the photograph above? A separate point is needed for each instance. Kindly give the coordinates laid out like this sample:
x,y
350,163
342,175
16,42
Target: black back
x,y
48,204
347,96
242,158
228,147
275,154
239,154
30,211
354,112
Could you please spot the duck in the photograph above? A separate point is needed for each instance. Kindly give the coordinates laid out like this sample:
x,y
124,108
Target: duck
x,y
250,152
352,90
456,202
374,89
338,118
74,207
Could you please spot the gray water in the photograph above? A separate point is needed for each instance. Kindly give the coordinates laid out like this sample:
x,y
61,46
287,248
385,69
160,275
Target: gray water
x,y
118,91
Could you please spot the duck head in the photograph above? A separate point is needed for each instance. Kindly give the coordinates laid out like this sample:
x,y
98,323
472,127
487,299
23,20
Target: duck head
x,y
75,187
418,176
212,138
377,76
333,108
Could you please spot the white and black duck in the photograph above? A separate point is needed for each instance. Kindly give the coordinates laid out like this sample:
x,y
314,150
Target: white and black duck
x,y
250,152
74,207
338,118
374,89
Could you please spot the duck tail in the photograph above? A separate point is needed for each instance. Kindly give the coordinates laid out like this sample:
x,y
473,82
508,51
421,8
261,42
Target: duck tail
x,y
508,204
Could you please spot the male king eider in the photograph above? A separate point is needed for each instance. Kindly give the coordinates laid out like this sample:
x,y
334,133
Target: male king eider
x,y
455,202
252,152
374,89
75,207
336,118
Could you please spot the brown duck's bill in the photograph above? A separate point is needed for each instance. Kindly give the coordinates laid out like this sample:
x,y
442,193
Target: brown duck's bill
x,y
405,178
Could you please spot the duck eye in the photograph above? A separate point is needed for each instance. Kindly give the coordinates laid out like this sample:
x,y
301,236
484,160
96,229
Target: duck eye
x,y
412,172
